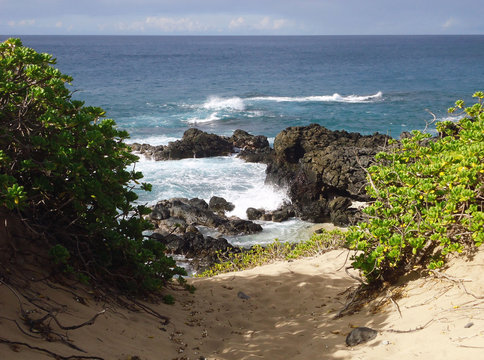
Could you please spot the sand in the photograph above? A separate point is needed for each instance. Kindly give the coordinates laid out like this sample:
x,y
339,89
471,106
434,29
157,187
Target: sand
x,y
290,314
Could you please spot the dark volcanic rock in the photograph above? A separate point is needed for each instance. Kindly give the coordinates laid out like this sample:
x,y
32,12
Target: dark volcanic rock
x,y
191,212
360,335
176,222
285,212
239,226
252,148
318,166
199,144
204,250
220,205
172,226
254,214
195,144
200,203
179,214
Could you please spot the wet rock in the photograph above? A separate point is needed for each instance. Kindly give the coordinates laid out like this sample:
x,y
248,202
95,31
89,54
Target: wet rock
x,y
220,205
204,250
200,203
239,226
254,214
195,144
185,212
199,144
320,168
283,214
159,213
252,148
172,226
360,335
176,222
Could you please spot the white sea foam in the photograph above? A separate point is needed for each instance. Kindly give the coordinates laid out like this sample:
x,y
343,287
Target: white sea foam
x,y
218,103
197,120
293,230
453,118
231,178
154,140
323,98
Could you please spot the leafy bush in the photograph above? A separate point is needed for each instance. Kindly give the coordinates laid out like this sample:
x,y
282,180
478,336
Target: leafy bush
x,y
259,255
64,169
429,197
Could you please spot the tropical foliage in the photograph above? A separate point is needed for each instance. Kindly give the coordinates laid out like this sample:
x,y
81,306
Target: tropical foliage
x,y
429,196
66,171
259,255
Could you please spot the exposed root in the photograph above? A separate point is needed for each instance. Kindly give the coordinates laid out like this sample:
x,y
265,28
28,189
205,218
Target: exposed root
x,y
351,303
40,328
418,328
48,352
458,281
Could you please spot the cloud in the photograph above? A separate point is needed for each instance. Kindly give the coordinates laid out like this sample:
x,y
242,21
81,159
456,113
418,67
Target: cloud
x,y
22,23
237,23
165,24
269,24
258,23
175,24
451,22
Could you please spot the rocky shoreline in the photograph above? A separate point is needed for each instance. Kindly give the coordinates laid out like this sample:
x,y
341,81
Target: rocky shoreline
x,y
323,172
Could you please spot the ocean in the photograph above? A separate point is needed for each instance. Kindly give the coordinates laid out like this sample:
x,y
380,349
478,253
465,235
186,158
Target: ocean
x,y
158,87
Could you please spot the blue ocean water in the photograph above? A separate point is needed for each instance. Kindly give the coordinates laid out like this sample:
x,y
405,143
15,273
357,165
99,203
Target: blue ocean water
x,y
157,87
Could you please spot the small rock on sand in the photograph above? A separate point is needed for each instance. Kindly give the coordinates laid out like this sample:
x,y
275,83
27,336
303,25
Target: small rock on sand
x,y
360,335
243,296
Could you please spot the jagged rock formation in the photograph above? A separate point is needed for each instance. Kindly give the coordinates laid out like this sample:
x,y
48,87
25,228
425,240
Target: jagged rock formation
x,y
199,144
323,170
176,222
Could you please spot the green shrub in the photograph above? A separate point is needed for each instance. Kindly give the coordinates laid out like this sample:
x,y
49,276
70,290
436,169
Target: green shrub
x,y
429,197
65,169
168,299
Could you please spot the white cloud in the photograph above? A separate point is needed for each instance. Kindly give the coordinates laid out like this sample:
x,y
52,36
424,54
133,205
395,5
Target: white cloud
x,y
25,22
449,23
165,24
237,23
268,23
174,24
257,23
279,23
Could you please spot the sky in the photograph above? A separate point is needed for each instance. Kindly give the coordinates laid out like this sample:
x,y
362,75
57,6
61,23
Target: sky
x,y
240,17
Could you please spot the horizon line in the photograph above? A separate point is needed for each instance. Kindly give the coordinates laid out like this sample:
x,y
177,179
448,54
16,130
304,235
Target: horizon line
x,y
241,35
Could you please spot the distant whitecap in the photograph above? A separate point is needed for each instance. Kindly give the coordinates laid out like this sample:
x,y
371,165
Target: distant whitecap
x,y
197,120
218,103
323,98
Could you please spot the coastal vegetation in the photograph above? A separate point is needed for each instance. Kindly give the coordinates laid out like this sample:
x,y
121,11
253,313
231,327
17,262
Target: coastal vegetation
x,y
428,199
260,255
68,176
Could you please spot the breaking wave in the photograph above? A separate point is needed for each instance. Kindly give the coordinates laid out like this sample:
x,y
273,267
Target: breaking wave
x,y
218,103
323,98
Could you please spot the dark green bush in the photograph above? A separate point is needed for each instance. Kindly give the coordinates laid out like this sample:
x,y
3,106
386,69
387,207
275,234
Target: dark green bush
x,y
429,196
65,169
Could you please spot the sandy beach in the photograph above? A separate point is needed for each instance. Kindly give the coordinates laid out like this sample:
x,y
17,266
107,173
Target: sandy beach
x,y
284,310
